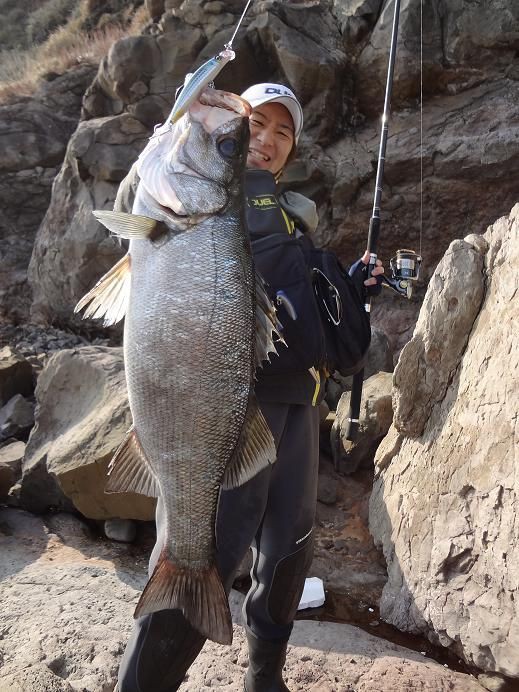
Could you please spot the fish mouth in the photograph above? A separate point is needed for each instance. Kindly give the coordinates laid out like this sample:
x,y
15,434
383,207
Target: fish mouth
x,y
216,98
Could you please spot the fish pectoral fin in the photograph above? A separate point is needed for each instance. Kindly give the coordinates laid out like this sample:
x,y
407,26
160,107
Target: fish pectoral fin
x,y
109,297
267,324
131,226
130,471
255,451
198,593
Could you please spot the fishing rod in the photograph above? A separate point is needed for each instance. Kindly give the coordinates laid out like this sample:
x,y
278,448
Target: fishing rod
x,y
405,266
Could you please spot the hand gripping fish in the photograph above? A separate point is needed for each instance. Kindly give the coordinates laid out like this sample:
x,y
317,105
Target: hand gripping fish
x,y
198,322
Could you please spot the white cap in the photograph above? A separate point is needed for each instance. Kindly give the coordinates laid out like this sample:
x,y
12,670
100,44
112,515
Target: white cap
x,y
258,94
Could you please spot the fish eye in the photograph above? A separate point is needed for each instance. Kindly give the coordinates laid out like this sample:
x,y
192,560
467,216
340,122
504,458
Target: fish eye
x,y
228,147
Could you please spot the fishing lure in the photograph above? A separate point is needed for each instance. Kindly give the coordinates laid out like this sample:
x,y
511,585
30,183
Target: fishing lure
x,y
205,74
198,81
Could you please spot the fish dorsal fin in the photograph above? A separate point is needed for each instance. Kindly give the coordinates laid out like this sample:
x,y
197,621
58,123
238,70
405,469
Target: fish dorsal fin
x,y
255,451
130,471
267,324
131,226
109,297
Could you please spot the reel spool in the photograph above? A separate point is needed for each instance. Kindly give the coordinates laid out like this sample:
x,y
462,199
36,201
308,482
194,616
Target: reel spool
x,y
405,270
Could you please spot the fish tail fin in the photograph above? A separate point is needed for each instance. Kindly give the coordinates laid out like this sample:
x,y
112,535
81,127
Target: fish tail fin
x,y
198,593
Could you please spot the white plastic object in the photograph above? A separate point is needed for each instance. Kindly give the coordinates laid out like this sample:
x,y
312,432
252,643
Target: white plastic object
x,y
313,594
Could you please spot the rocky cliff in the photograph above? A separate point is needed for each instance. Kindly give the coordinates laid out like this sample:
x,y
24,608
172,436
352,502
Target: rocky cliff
x,y
450,167
444,502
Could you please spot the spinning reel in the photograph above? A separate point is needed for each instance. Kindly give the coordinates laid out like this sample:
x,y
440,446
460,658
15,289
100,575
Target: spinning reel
x,y
405,270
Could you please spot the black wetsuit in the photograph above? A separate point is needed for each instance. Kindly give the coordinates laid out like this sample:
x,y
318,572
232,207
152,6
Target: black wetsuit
x,y
273,513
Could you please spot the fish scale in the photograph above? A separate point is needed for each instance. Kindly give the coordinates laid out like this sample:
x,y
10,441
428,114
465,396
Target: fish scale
x,y
203,325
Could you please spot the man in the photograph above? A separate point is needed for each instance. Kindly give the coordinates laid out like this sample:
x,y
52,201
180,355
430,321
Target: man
x,y
273,512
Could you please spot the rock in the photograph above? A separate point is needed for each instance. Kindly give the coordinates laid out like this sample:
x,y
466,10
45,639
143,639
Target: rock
x,y
16,417
427,362
461,45
82,417
15,375
37,678
131,60
155,8
33,137
379,359
444,502
306,49
68,602
494,682
66,264
376,415
121,530
10,466
326,489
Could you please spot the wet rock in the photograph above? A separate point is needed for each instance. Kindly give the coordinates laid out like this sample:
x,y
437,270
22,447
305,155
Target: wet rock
x,y
376,415
16,417
444,502
15,375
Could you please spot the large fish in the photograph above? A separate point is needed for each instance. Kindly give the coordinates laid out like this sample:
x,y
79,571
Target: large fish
x,y
198,322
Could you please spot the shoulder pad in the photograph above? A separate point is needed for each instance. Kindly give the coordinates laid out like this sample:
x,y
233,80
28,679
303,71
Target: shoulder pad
x,y
301,208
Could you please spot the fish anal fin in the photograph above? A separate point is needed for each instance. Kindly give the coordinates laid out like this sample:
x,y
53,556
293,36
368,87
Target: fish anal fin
x,y
255,451
131,226
129,471
267,324
109,297
198,593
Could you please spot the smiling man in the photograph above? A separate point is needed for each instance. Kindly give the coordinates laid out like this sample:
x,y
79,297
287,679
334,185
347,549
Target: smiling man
x,y
273,512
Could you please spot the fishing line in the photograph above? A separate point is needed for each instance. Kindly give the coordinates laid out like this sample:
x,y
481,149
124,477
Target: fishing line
x,y
228,46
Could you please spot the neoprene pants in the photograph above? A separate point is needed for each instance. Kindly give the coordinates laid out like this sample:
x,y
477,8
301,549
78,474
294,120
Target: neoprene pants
x,y
273,512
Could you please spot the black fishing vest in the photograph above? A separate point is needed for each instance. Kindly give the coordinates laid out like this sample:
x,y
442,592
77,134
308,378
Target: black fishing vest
x,y
280,258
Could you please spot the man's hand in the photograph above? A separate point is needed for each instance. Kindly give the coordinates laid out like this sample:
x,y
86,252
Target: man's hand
x,y
372,285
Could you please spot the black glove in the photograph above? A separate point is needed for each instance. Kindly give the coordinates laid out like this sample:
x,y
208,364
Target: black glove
x,y
359,273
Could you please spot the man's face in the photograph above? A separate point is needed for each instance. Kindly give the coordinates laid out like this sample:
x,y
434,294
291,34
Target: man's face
x,y
271,137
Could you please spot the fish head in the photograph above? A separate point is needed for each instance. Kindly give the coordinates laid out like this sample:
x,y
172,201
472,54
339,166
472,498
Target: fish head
x,y
216,145
196,167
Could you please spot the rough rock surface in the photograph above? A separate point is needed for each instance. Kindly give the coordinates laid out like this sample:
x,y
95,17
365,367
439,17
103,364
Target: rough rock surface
x,y
33,138
67,603
334,55
11,455
15,375
444,504
16,418
82,417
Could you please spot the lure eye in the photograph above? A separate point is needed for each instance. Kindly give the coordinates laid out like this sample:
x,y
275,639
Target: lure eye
x,y
228,147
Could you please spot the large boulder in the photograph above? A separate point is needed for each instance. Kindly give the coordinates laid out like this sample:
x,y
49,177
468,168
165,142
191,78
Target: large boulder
x,y
72,249
82,417
445,502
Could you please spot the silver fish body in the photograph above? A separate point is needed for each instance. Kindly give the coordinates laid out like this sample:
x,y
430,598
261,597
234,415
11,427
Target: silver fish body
x,y
197,325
